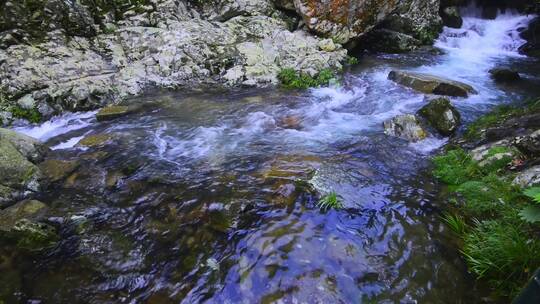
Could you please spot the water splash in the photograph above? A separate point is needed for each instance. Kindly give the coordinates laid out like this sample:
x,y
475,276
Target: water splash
x,y
58,125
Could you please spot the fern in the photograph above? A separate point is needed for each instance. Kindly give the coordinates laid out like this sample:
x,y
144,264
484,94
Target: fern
x,y
533,193
530,214
331,200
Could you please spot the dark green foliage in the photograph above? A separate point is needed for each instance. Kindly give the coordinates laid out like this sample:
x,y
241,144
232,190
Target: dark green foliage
x,y
32,115
293,80
99,8
502,253
499,245
455,167
352,60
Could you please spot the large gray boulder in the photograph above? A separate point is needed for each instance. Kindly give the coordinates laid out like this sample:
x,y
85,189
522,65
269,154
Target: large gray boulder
x,y
441,115
430,84
20,176
405,126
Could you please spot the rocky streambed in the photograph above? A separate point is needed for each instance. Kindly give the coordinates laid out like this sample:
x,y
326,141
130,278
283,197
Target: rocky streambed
x,y
211,194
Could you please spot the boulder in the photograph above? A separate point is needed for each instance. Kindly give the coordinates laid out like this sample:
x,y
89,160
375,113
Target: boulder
x,y
451,17
503,75
388,41
94,140
19,174
528,178
405,126
530,144
23,225
430,84
441,115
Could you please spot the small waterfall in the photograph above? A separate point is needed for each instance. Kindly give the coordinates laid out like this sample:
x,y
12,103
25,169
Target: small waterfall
x,y
481,40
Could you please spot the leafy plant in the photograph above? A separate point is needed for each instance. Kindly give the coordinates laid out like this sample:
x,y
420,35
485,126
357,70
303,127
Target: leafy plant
x,y
352,60
294,80
455,167
32,115
531,213
456,223
331,200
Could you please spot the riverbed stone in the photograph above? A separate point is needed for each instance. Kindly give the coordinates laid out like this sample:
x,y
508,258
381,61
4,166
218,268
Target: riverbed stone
x,y
94,140
112,112
441,115
503,75
22,224
29,147
431,84
528,178
405,126
57,170
530,144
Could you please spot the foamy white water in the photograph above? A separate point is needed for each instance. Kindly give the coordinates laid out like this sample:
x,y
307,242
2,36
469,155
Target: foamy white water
x,y
58,125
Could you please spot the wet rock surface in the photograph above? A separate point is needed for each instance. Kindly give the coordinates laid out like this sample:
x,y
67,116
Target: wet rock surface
x,y
430,84
503,75
441,115
405,126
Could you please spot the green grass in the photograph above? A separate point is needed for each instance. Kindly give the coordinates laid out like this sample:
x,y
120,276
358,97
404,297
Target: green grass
x,y
291,79
502,253
494,219
330,201
456,167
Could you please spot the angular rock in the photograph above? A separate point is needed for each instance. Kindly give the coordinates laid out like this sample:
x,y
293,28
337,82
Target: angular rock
x,y
430,84
503,75
528,178
441,115
530,144
405,126
29,147
17,171
112,112
451,17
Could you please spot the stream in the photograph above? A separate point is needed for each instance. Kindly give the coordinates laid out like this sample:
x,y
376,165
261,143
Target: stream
x,y
206,195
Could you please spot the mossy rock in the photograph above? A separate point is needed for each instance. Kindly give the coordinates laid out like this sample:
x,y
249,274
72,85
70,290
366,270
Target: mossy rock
x,y
441,115
112,112
405,126
95,140
17,171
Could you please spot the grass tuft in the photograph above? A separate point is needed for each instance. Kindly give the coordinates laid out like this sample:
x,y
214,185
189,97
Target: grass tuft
x,y
294,80
330,201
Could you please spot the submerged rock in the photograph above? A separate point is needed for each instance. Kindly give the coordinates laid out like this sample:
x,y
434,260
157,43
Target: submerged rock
x,y
94,140
430,84
112,112
21,224
441,115
57,170
405,126
504,75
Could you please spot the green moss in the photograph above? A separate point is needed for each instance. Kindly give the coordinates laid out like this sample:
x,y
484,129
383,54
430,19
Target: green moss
x,y
293,80
32,115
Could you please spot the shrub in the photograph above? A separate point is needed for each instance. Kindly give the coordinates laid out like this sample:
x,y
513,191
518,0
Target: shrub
x,y
32,115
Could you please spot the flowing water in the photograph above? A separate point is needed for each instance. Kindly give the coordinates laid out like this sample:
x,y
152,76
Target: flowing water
x,y
208,195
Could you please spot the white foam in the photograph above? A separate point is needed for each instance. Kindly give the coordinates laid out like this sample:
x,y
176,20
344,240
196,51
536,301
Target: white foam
x,y
58,125
68,144
428,145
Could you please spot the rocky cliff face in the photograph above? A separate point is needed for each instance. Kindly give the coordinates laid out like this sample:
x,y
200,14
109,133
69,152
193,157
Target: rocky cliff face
x,y
58,55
